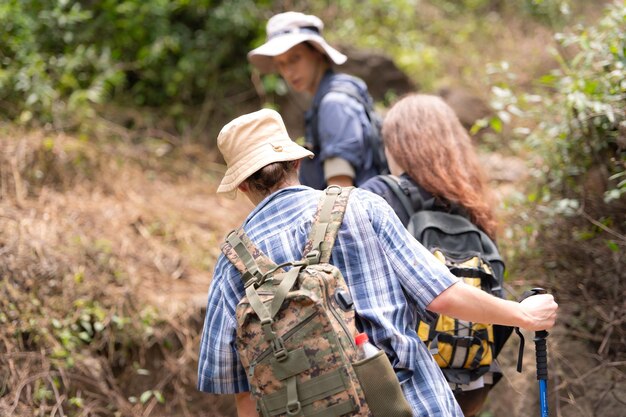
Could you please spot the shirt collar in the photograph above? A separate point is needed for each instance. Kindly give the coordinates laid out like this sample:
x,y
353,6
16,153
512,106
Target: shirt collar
x,y
326,79
275,196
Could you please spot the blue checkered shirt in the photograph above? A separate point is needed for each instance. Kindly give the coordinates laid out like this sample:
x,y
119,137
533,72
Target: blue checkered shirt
x,y
392,278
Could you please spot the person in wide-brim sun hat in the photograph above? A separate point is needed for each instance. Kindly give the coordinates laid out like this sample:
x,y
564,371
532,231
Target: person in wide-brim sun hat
x,y
286,30
337,126
251,142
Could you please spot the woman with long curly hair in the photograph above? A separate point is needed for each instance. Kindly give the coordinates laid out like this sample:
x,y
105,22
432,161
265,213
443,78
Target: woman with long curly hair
x,y
431,156
427,146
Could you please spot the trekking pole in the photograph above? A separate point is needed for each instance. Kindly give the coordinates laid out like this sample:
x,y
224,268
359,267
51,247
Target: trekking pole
x,y
541,354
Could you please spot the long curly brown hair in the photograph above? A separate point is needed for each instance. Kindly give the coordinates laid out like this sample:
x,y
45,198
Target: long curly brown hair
x,y
424,136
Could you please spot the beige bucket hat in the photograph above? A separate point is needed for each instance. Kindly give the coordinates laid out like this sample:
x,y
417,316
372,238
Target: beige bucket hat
x,y
286,30
252,141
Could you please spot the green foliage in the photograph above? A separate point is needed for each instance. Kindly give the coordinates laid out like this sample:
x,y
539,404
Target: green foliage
x,y
577,117
584,123
547,11
432,40
59,58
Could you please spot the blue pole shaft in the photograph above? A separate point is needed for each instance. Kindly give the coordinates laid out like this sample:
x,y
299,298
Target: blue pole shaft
x,y
541,352
543,397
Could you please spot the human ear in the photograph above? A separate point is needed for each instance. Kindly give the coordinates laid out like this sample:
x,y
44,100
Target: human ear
x,y
243,187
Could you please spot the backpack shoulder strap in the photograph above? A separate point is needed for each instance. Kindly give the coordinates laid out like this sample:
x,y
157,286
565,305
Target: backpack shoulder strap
x,y
326,222
393,184
408,193
347,84
246,256
352,91
453,224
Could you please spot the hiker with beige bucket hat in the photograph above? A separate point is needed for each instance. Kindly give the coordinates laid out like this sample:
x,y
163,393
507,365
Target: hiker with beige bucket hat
x,y
391,281
341,126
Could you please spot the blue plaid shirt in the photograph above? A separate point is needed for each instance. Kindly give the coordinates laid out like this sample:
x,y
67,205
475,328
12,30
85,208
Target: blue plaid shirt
x,y
392,278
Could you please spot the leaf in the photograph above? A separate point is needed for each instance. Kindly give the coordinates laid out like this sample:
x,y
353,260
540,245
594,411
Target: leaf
x,y
480,124
145,396
84,336
77,401
612,245
159,396
496,124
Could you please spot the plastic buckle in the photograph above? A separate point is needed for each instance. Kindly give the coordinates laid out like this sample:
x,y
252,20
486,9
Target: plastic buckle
x,y
280,353
313,257
252,281
464,341
333,190
294,409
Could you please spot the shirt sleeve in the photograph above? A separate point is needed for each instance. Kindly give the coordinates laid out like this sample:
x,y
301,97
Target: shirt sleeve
x,y
334,167
219,368
380,188
340,129
422,276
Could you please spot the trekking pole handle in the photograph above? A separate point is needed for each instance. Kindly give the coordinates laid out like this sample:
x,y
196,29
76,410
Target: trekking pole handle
x,y
541,354
541,351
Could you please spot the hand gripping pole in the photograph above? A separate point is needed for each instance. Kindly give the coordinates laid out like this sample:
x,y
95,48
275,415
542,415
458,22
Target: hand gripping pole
x,y
541,355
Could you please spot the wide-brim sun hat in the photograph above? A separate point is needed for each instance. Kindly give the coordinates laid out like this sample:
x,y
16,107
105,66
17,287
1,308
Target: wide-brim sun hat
x,y
252,141
286,30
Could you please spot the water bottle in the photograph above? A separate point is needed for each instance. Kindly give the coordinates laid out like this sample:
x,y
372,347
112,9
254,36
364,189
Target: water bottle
x,y
364,348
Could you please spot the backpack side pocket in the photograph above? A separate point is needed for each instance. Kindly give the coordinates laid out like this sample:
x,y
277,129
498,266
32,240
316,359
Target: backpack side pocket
x,y
381,387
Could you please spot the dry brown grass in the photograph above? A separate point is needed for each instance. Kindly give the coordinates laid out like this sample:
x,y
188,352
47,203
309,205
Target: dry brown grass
x,y
114,234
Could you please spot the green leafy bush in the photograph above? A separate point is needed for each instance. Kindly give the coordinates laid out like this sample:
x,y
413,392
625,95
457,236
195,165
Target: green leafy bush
x,y
575,118
58,58
575,214
583,124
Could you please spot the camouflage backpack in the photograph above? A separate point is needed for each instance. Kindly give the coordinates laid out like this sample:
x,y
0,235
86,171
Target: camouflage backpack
x,y
296,328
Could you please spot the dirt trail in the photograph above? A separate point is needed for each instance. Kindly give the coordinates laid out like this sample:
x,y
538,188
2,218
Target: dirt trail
x,y
211,216
198,217
224,214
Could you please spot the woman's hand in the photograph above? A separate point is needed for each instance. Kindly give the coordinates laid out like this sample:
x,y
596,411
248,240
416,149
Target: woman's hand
x,y
539,311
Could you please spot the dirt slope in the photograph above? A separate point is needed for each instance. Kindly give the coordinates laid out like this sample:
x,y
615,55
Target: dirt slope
x,y
103,230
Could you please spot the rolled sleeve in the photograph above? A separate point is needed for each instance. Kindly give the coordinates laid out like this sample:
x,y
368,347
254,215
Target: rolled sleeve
x,y
340,129
335,167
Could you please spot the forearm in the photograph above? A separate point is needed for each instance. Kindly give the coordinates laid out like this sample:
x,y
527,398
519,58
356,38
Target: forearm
x,y
468,303
342,181
246,406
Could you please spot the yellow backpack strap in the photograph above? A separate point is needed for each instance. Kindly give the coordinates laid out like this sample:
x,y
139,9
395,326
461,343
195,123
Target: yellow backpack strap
x,y
326,223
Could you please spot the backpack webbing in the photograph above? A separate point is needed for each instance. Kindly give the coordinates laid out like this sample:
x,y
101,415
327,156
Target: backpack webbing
x,y
410,199
245,256
326,222
253,263
425,214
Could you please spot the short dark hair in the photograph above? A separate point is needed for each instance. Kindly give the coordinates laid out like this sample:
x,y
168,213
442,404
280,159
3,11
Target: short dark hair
x,y
313,48
268,177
